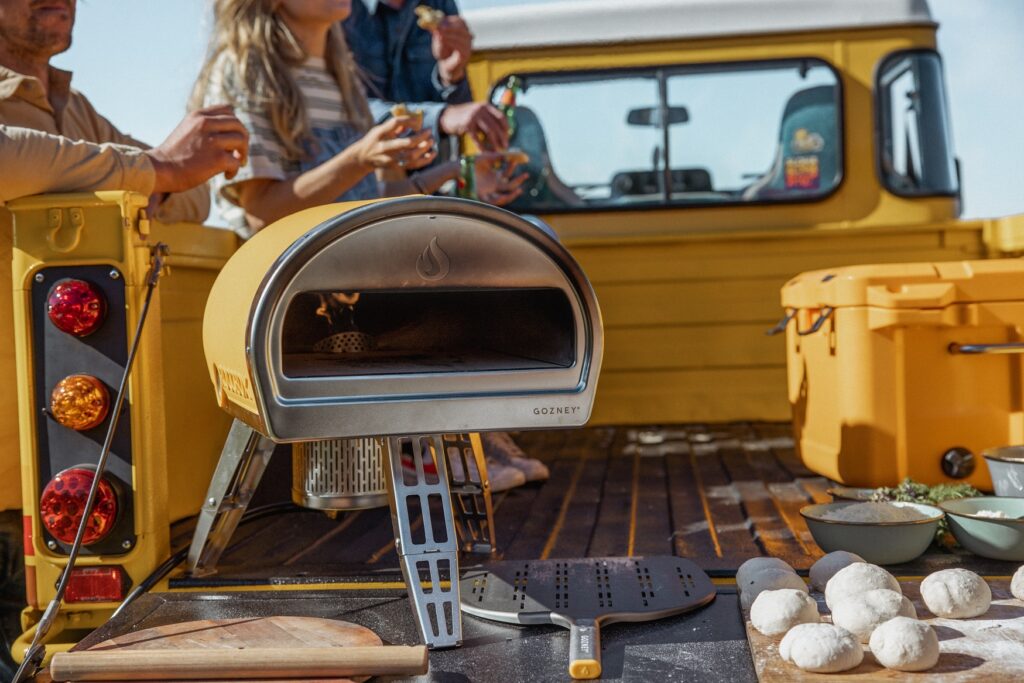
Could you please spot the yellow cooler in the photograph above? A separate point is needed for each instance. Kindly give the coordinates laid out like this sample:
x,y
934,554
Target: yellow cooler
x,y
905,370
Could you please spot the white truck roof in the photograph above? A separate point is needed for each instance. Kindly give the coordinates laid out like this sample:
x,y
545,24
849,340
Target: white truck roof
x,y
572,22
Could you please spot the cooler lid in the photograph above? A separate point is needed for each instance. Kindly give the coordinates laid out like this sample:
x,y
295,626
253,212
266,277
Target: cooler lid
x,y
907,285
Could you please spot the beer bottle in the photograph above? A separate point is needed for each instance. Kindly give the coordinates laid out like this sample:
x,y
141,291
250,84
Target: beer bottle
x,y
507,103
465,184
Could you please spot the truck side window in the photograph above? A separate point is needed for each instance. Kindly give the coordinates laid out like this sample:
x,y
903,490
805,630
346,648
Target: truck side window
x,y
677,135
916,150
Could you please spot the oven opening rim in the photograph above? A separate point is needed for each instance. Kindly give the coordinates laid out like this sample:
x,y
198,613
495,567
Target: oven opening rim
x,y
394,399
499,331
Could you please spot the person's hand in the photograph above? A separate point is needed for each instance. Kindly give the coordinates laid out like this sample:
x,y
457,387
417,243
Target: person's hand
x,y
206,142
382,147
451,44
481,121
496,182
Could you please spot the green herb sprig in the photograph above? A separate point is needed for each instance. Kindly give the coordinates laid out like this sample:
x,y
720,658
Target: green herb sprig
x,y
910,491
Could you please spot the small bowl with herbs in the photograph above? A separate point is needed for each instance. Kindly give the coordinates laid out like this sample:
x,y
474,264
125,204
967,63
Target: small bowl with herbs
x,y
989,526
880,532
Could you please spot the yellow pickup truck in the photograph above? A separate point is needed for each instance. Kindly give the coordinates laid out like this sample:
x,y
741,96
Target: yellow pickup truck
x,y
691,156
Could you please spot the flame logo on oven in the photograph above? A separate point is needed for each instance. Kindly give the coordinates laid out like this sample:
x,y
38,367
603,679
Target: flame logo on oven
x,y
433,263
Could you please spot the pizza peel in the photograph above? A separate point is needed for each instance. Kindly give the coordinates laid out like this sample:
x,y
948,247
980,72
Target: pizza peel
x,y
584,594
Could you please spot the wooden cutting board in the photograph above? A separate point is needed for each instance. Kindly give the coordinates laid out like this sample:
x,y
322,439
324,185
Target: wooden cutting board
x,y
216,634
987,648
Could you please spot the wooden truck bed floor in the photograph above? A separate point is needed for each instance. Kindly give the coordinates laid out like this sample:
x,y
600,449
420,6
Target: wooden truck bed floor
x,y
717,494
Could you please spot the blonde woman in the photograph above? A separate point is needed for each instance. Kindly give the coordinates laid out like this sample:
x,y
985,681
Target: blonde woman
x,y
285,66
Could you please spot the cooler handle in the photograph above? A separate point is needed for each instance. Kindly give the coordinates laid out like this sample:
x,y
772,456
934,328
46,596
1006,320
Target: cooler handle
x,y
780,326
974,349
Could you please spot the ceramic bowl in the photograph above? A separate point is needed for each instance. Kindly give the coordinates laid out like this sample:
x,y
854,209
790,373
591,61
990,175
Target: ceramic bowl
x,y
998,539
1006,465
876,542
840,493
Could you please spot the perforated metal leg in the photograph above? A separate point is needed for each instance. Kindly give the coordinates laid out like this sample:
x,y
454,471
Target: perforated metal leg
x,y
239,470
421,511
471,489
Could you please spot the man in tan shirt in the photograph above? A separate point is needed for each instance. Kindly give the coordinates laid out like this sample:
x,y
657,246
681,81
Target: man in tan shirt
x,y
34,162
35,95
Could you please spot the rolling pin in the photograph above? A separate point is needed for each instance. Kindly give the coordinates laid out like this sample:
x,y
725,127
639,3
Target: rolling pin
x,y
227,664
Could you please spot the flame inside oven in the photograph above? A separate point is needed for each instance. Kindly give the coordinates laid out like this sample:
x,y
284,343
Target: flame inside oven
x,y
339,309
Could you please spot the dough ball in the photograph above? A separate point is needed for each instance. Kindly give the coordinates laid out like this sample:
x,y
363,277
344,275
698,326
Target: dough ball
x,y
825,568
822,648
775,612
1017,584
956,594
754,565
856,579
769,580
861,614
905,644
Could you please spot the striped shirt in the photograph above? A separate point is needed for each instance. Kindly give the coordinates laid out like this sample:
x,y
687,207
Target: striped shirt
x,y
331,129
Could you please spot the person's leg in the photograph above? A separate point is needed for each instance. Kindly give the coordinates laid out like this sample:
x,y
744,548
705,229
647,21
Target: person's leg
x,y
501,475
501,449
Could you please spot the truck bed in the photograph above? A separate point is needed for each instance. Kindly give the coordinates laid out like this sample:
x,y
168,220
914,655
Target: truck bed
x,y
718,494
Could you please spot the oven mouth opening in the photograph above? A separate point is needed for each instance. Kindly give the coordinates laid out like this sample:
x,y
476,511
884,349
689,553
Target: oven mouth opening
x,y
427,331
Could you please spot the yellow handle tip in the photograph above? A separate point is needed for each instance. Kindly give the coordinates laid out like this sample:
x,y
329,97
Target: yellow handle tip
x,y
585,669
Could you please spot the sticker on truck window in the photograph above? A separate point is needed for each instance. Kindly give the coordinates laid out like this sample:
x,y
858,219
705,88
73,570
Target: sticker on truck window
x,y
803,173
805,141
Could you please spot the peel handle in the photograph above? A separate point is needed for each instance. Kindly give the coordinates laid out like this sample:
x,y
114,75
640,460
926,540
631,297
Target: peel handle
x,y
585,649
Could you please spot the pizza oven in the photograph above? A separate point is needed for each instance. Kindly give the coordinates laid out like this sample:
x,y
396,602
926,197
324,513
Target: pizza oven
x,y
368,334
409,316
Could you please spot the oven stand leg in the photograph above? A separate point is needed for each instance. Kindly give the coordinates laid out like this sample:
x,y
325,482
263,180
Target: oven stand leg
x,y
242,462
471,489
425,537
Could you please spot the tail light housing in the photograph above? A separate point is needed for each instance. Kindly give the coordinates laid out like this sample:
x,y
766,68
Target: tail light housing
x,y
96,584
78,346
63,503
80,402
76,307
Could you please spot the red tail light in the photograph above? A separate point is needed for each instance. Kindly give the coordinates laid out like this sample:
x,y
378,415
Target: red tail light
x,y
76,307
63,502
95,584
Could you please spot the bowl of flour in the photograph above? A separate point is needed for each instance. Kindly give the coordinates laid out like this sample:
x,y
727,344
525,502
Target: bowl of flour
x,y
990,526
881,533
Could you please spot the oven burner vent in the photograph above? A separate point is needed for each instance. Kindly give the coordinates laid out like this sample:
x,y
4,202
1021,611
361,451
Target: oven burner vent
x,y
345,342
339,474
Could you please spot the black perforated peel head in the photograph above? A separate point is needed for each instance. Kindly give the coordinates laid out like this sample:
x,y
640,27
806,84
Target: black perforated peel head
x,y
584,594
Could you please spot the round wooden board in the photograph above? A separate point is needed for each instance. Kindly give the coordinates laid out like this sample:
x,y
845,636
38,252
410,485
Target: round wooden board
x,y
293,632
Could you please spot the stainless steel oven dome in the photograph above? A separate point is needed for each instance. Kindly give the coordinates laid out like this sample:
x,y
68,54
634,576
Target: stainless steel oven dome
x,y
466,318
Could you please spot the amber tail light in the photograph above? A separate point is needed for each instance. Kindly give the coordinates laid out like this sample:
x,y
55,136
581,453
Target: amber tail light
x,y
79,402
63,503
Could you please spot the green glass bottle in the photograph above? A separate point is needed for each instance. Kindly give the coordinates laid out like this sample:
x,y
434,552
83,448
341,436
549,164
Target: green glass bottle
x,y
507,103
465,184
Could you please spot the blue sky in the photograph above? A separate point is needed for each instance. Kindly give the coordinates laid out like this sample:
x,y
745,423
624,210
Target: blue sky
x,y
137,59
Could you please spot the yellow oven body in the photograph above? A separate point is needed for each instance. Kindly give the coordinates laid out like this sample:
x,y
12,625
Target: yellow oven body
x,y
880,383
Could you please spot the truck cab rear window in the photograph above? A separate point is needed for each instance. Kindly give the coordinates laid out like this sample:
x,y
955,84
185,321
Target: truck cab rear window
x,y
694,135
916,154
